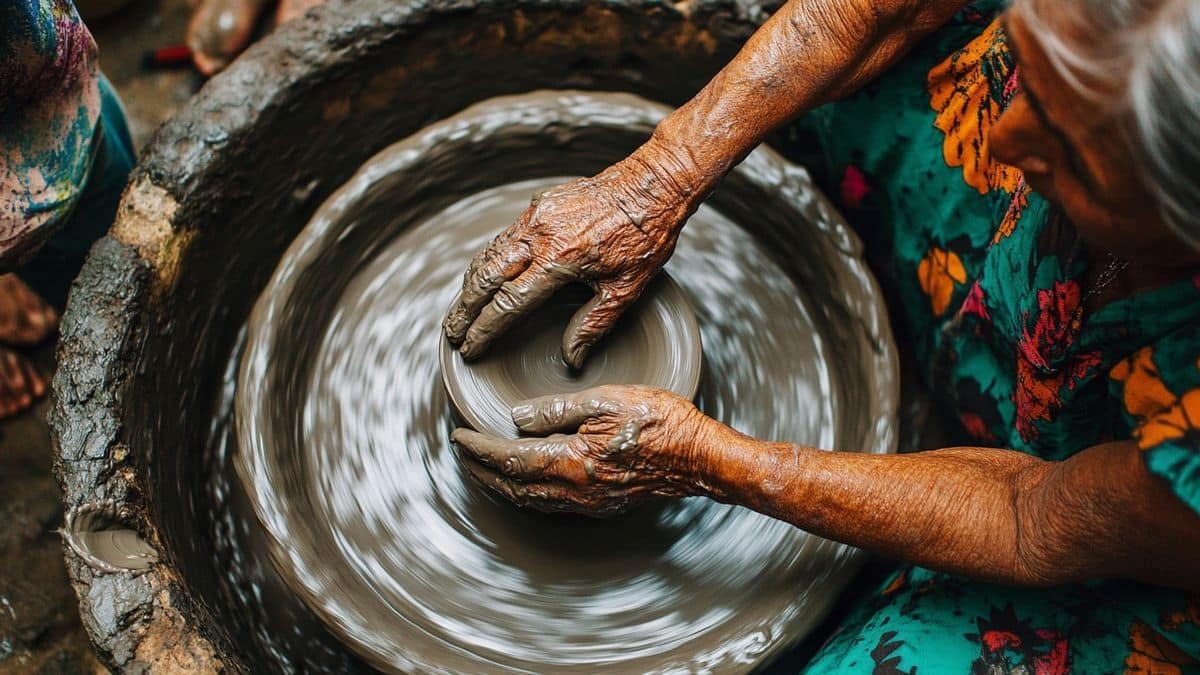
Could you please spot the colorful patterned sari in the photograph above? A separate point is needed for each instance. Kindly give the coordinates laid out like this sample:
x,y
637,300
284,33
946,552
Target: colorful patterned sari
x,y
989,290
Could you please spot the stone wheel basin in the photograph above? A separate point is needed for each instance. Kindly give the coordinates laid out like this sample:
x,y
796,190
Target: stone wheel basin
x,y
144,418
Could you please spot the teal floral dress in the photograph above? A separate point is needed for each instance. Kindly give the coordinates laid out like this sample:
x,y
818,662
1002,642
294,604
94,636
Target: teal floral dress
x,y
989,292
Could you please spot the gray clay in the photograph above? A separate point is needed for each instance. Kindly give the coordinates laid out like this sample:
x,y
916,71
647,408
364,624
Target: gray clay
x,y
342,424
657,342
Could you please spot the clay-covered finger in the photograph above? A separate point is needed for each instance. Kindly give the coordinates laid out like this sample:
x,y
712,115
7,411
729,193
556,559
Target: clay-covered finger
x,y
592,322
486,275
522,459
513,300
562,412
541,496
494,480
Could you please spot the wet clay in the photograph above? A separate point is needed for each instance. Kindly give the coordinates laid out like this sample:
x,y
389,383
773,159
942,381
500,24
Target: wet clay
x,y
97,533
342,424
656,344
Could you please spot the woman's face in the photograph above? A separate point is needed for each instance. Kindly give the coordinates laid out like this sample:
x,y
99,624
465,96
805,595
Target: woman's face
x,y
1074,154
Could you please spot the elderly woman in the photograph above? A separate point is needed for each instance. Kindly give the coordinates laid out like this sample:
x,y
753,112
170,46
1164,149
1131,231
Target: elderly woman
x,y
1033,175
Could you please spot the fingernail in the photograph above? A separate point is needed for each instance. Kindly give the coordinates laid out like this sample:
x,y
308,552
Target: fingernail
x,y
574,356
468,349
522,414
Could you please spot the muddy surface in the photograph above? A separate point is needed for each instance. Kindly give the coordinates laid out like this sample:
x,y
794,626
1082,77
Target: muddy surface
x,y
342,448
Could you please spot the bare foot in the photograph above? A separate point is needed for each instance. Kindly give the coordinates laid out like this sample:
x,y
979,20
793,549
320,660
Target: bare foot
x,y
25,319
219,30
20,384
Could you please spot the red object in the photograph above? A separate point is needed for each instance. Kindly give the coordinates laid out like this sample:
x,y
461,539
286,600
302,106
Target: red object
x,y
168,57
855,187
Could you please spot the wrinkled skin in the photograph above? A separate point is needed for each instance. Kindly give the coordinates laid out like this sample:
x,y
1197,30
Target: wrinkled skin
x,y
602,231
608,449
219,30
612,232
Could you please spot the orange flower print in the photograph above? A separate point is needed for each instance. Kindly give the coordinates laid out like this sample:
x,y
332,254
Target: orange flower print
x,y
1189,615
896,584
938,273
969,91
1013,215
1152,654
1161,415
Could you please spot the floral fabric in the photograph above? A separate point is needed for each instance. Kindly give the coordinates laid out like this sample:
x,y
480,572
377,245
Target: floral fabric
x,y
49,105
989,283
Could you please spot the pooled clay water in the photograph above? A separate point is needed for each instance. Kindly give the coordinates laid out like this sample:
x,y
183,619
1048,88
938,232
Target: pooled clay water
x,y
342,432
97,535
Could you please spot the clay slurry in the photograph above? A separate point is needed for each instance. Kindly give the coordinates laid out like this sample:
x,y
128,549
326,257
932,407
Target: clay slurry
x,y
342,425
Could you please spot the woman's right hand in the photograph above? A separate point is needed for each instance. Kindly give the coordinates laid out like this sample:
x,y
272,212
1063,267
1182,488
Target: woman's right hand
x,y
613,232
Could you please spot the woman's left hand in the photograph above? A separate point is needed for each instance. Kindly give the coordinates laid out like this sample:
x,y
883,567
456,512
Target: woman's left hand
x,y
630,443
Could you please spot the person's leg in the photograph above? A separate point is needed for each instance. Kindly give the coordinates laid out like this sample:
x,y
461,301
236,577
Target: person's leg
x,y
922,622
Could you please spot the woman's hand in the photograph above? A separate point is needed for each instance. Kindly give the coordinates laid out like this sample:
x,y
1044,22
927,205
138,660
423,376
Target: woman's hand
x,y
630,443
612,232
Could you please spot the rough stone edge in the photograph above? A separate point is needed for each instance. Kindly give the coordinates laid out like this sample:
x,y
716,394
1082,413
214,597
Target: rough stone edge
x,y
134,620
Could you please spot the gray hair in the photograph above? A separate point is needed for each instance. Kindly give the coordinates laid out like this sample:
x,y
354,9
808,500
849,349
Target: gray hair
x,y
1142,59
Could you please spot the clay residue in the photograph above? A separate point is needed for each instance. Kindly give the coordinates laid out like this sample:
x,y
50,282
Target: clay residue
x,y
145,221
102,534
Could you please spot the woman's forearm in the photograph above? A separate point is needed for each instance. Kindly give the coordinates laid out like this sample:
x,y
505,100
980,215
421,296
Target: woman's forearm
x,y
989,514
809,53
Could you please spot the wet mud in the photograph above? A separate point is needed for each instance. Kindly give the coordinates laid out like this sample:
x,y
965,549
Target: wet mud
x,y
341,502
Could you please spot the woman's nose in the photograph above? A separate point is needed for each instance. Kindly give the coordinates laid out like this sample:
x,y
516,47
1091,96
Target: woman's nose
x,y
1017,139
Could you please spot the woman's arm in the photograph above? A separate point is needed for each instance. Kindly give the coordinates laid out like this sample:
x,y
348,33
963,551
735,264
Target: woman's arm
x,y
811,52
994,515
615,230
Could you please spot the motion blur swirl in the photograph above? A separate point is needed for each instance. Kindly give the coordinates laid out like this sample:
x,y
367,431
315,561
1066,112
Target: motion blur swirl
x,y
343,433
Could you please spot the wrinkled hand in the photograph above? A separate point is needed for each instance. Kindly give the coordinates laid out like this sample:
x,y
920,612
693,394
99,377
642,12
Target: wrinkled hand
x,y
612,232
630,443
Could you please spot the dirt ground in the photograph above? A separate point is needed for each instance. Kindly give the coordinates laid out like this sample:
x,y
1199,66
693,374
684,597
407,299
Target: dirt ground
x,y
40,630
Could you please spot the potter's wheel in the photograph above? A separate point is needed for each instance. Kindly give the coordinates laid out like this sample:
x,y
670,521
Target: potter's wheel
x,y
343,424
